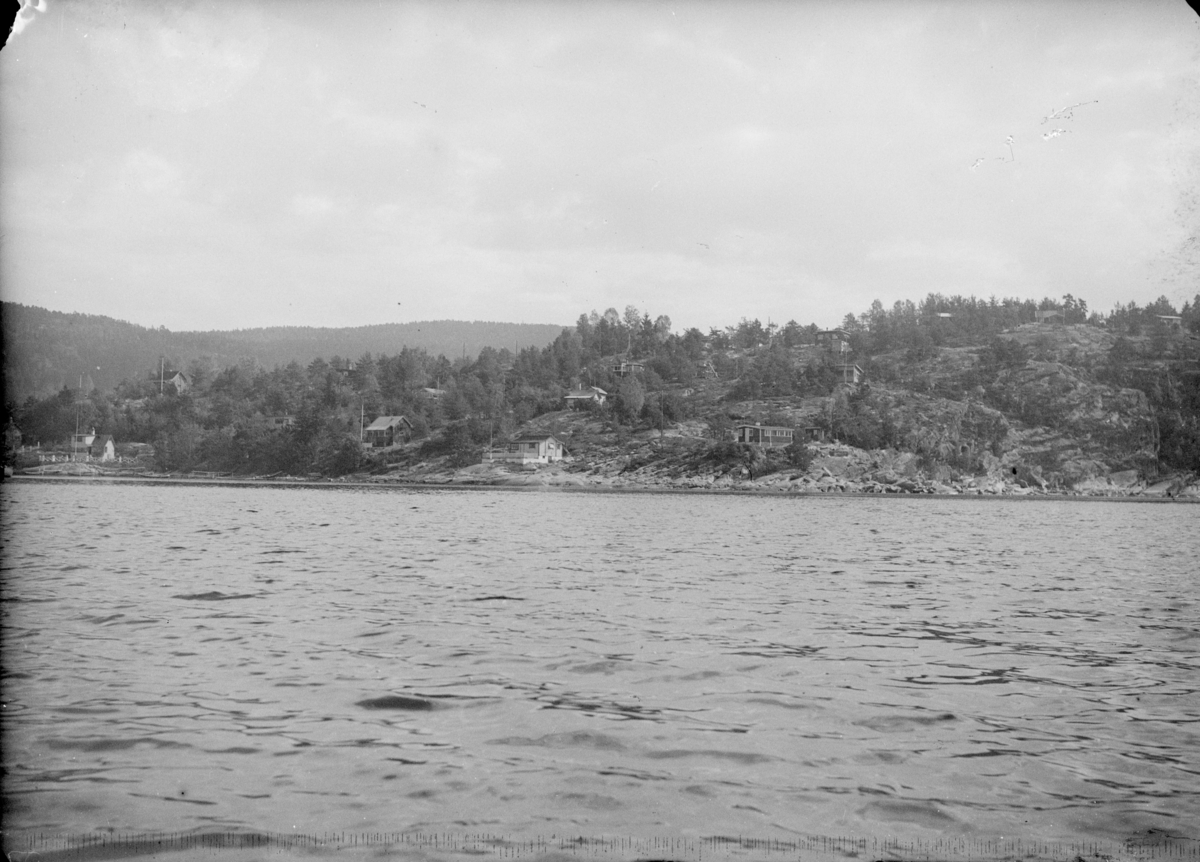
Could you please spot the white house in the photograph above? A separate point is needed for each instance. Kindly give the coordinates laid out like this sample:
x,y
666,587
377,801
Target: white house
x,y
527,449
103,448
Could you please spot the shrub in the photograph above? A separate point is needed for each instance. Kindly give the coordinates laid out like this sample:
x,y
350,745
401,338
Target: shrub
x,y
797,455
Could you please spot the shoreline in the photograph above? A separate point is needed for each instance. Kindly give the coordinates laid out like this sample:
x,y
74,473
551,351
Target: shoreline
x,y
578,487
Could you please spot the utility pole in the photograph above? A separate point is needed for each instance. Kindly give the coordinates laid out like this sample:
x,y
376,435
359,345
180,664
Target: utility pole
x,y
75,439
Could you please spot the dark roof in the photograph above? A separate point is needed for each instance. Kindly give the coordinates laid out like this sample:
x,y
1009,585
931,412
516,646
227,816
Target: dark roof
x,y
383,423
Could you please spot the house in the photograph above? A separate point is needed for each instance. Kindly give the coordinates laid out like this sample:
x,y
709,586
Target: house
x,y
813,434
1173,321
177,379
835,340
284,421
767,436
527,449
625,368
1049,315
81,443
851,373
103,448
433,393
590,395
387,431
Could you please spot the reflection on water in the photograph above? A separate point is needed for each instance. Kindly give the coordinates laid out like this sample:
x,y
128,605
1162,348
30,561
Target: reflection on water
x,y
651,666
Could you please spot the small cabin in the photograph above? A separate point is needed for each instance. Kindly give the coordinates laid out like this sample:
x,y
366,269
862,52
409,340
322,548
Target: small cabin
x,y
283,421
527,449
387,431
851,373
168,381
1049,315
624,368
835,340
766,436
103,448
592,394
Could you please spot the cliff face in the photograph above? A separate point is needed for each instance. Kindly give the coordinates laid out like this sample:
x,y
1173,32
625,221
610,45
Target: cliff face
x,y
1072,429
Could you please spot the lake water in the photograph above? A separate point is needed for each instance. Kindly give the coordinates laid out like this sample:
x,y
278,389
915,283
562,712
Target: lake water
x,y
641,667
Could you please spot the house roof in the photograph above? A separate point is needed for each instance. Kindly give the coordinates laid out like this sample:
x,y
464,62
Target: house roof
x,y
102,440
536,438
383,423
590,392
765,427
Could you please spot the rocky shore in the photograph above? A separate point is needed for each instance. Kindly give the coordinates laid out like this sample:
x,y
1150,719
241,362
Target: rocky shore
x,y
835,469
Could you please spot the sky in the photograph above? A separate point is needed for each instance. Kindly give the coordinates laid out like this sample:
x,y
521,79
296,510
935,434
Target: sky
x,y
227,165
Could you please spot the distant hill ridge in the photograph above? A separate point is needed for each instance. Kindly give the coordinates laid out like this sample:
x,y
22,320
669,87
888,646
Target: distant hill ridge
x,y
45,350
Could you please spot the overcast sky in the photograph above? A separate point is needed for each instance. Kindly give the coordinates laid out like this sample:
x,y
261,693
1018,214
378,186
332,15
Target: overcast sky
x,y
225,165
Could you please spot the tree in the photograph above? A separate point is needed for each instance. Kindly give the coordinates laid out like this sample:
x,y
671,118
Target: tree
x,y
630,399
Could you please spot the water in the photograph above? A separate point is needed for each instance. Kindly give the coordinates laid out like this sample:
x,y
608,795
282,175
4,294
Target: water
x,y
529,664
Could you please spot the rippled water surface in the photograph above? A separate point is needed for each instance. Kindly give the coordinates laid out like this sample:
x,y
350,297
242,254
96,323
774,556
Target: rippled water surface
x,y
530,664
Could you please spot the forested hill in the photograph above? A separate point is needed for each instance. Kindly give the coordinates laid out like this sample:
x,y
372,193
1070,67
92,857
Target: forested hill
x,y
45,350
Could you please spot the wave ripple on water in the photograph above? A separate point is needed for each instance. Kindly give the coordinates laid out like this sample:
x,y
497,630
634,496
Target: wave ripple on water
x,y
645,665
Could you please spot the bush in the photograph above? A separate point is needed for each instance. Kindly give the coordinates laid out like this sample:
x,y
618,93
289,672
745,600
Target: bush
x,y
342,456
798,456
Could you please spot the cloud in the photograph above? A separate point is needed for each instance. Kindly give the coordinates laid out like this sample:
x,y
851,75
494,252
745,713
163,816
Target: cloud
x,y
149,173
959,259
786,160
312,206
179,58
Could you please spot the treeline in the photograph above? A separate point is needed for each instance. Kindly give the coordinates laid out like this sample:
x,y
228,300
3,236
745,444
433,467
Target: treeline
x,y
223,421
46,350
949,321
